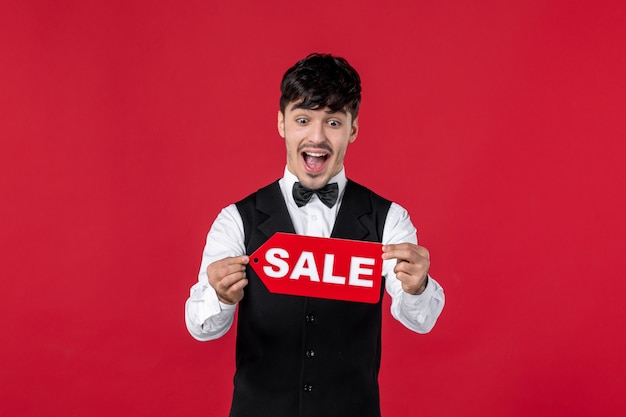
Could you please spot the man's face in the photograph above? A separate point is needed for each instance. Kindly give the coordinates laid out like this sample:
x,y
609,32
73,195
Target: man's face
x,y
316,142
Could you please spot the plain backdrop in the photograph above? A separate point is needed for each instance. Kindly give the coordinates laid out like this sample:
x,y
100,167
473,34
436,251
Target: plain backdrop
x,y
126,126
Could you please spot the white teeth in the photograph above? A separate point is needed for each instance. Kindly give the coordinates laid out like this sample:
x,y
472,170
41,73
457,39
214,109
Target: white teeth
x,y
315,154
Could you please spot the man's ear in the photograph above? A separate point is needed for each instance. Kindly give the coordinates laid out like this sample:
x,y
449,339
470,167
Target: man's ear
x,y
281,124
355,130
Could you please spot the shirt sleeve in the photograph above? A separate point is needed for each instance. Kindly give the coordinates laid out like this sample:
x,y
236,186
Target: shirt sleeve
x,y
205,316
416,312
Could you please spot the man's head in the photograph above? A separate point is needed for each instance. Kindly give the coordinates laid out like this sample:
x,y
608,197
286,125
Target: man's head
x,y
318,117
319,81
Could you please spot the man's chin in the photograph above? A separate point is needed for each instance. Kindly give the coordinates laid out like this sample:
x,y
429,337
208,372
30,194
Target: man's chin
x,y
313,182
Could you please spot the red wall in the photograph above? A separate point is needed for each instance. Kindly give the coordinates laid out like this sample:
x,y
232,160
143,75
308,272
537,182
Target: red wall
x,y
126,127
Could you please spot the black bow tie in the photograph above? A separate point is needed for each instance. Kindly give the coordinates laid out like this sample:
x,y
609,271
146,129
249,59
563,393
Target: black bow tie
x,y
327,194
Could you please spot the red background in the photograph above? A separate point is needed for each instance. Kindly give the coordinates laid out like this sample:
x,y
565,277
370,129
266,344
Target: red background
x,y
127,125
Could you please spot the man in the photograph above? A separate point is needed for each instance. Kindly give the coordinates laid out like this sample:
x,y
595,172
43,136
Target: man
x,y
302,356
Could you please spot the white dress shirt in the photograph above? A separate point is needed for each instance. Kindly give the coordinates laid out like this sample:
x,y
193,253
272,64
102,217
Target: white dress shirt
x,y
207,318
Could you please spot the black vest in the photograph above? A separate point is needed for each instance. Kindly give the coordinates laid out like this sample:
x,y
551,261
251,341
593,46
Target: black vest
x,y
300,356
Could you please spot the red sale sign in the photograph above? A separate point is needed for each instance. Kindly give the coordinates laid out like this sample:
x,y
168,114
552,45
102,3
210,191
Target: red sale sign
x,y
337,269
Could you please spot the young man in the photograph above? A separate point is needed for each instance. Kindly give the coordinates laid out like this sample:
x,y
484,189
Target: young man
x,y
301,356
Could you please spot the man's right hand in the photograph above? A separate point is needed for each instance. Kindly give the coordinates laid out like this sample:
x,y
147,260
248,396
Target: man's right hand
x,y
228,277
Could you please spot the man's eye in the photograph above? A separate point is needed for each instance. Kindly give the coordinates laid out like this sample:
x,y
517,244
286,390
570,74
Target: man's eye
x,y
301,121
334,123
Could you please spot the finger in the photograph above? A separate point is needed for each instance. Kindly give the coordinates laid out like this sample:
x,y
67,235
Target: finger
x,y
232,279
230,289
423,252
233,294
405,252
412,278
234,260
239,285
224,267
411,269
400,253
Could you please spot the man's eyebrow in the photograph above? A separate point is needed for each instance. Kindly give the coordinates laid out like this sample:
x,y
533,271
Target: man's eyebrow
x,y
342,111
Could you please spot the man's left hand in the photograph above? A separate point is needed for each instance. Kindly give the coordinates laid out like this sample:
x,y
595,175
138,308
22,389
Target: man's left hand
x,y
412,266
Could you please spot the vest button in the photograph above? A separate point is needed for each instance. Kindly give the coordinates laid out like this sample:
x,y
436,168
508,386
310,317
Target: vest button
x,y
310,318
308,388
310,353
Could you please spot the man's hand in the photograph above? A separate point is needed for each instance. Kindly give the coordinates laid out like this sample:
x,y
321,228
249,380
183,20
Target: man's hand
x,y
228,277
412,267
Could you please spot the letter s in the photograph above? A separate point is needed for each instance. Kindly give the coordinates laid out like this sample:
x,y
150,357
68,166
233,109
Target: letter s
x,y
275,257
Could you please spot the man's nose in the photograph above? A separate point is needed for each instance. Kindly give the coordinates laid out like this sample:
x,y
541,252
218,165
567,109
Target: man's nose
x,y
317,133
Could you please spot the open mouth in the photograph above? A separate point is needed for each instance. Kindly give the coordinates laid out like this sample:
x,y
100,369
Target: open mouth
x,y
315,161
